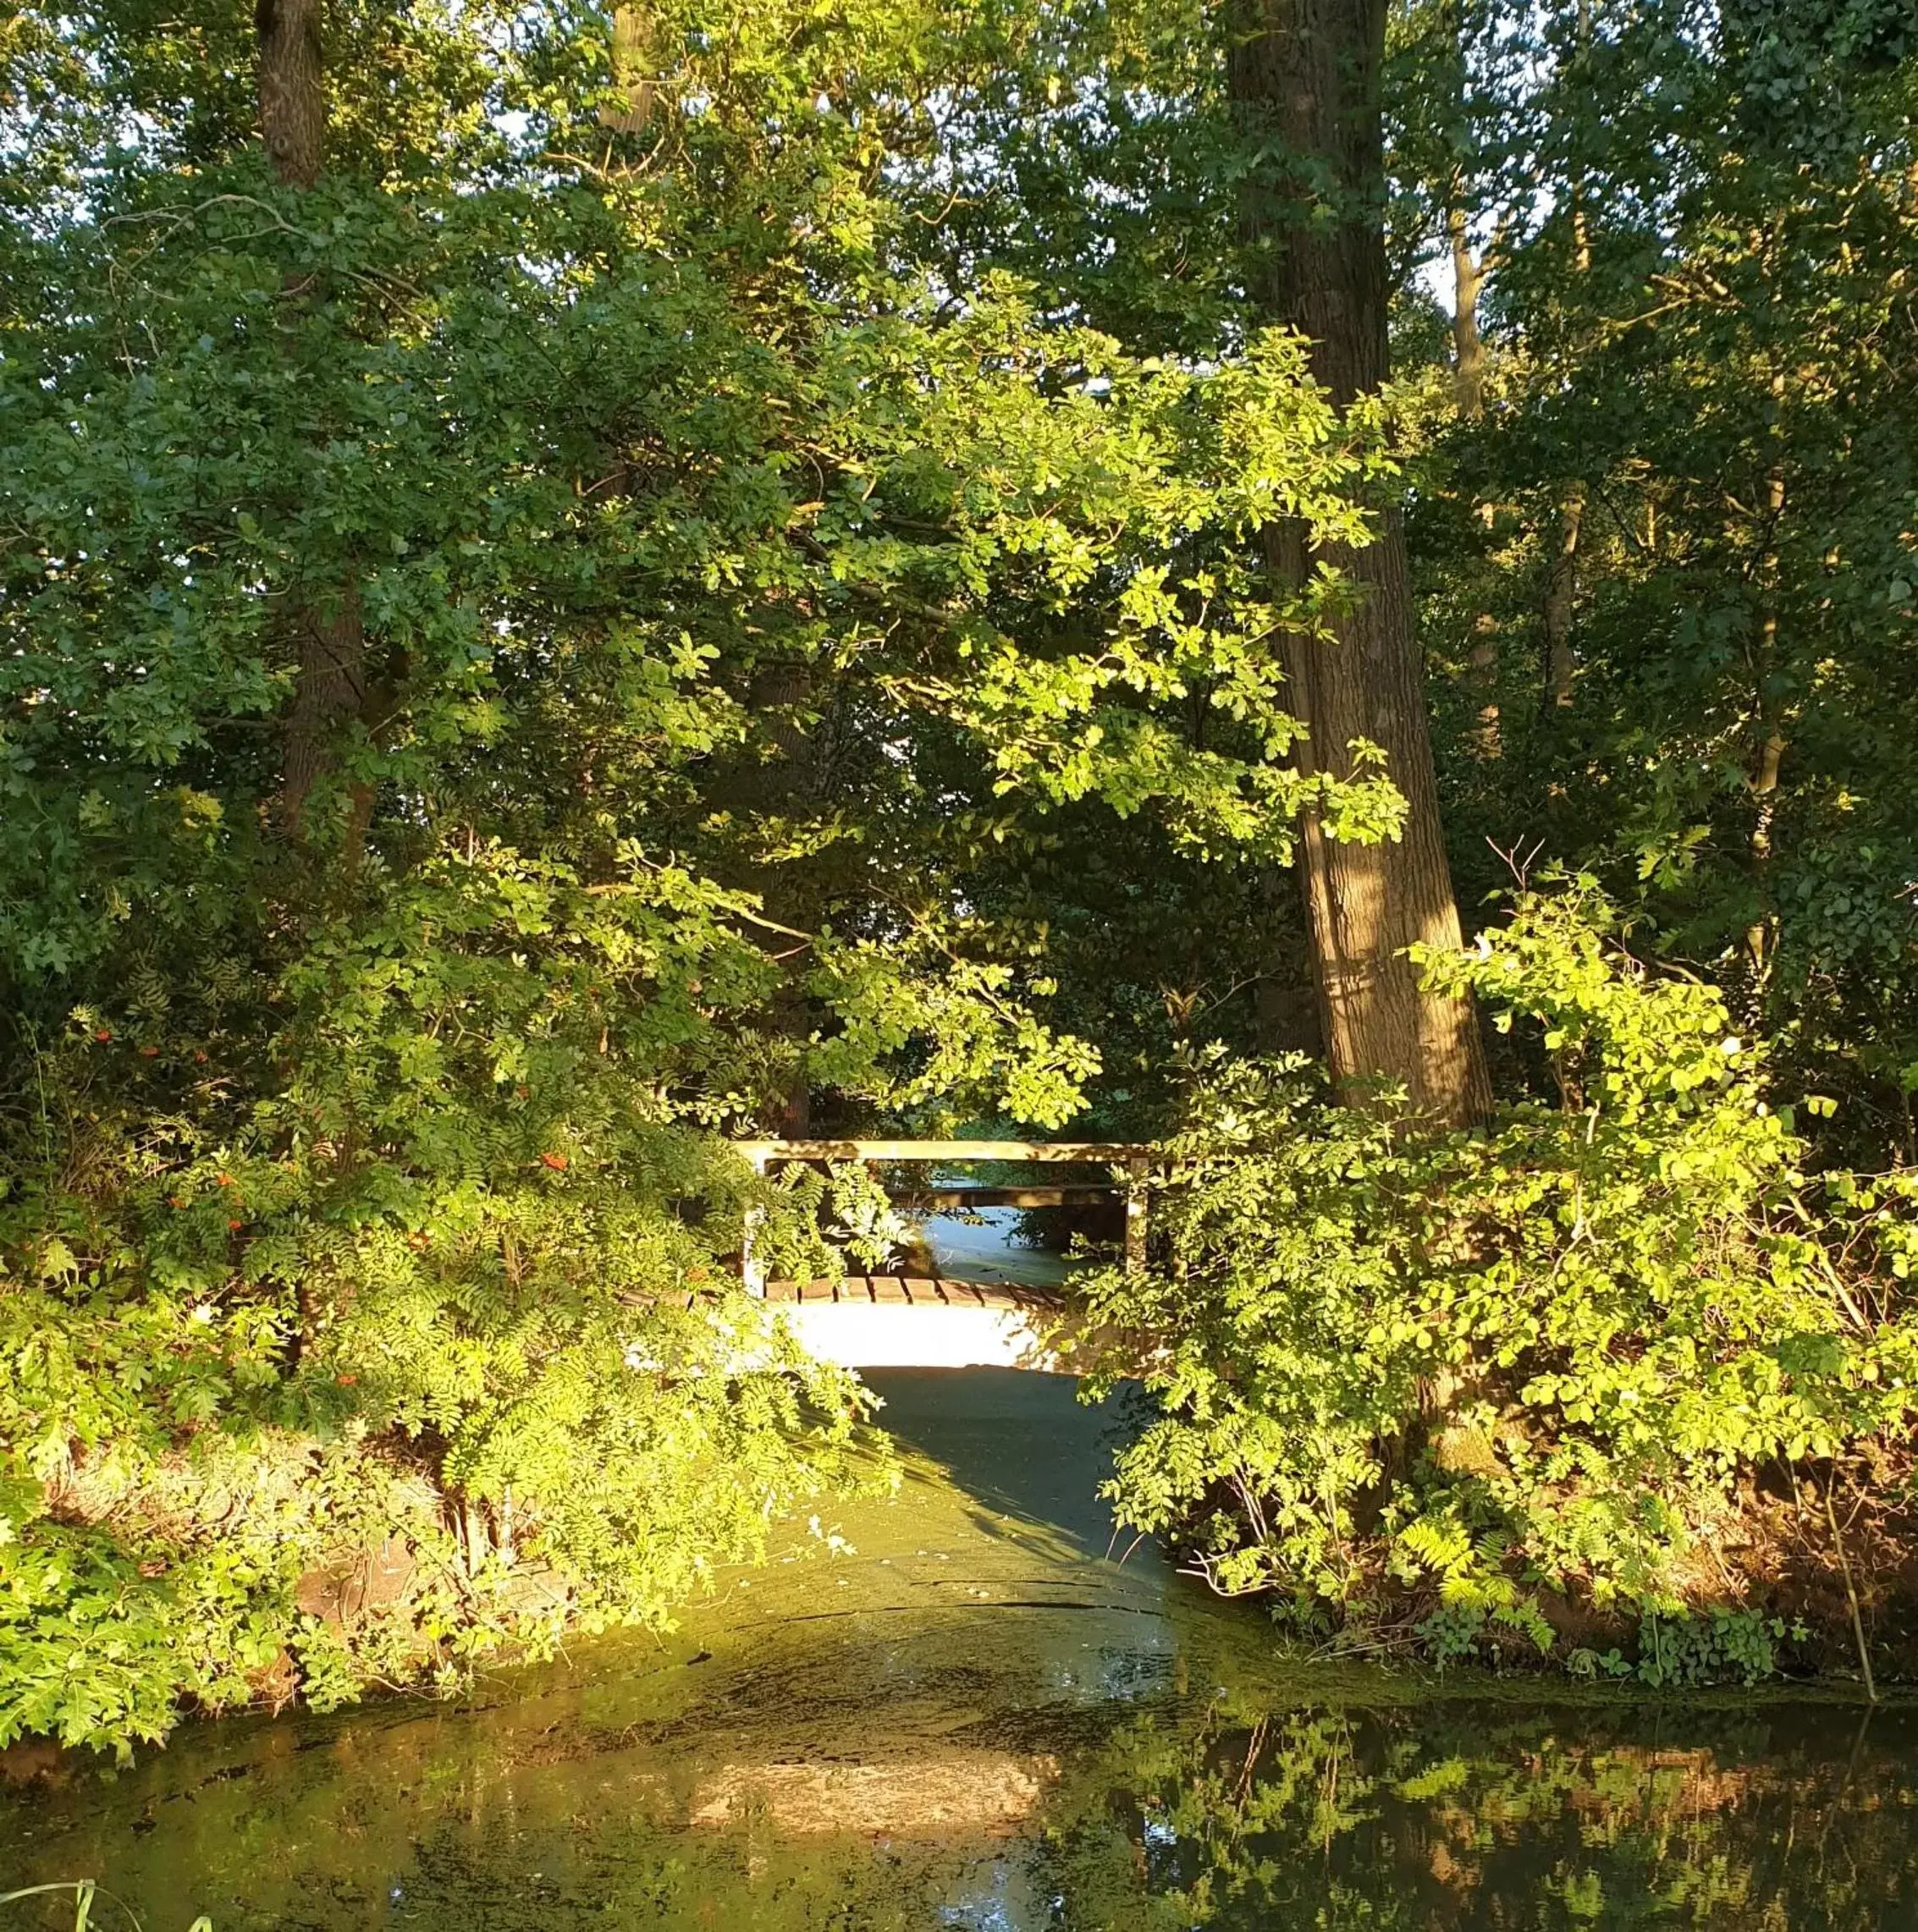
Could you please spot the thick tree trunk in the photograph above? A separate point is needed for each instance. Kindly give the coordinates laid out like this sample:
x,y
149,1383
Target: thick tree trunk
x,y
329,639
332,687
292,84
1306,73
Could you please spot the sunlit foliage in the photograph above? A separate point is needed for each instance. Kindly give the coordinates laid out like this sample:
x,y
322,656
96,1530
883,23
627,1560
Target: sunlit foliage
x,y
1489,1374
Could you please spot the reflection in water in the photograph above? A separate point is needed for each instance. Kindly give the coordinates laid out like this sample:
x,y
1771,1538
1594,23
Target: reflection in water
x,y
977,1720
1473,1814
981,1247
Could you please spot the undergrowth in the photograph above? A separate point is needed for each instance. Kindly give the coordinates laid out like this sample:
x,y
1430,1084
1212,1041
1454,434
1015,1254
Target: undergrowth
x,y
1443,1390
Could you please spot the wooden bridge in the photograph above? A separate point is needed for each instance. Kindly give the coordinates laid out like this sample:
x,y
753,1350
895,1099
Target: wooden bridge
x,y
937,1321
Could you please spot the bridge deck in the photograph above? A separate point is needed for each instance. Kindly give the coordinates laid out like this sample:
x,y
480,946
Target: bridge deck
x,y
915,1290
909,1321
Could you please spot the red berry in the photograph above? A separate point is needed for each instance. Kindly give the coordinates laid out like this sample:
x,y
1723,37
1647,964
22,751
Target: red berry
x,y
557,1162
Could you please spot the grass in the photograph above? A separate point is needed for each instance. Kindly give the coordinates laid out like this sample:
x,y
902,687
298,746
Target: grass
x,y
84,1892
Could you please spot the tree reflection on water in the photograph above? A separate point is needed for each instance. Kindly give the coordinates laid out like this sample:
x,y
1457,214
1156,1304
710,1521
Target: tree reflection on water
x,y
1232,1814
1438,1816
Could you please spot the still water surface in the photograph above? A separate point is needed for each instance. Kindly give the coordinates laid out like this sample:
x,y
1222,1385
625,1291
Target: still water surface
x,y
978,1718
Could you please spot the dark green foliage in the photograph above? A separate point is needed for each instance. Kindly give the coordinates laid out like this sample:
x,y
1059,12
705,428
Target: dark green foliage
x,y
1697,327
729,598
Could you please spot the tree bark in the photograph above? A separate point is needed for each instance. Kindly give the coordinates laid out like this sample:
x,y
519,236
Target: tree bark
x,y
329,638
292,84
1305,73
1764,780
634,62
1469,391
1562,575
332,686
1468,345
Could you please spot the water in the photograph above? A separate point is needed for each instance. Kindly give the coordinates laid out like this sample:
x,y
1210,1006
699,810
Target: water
x,y
979,1718
980,1247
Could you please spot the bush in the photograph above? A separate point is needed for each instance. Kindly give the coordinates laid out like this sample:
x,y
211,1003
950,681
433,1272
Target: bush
x,y
1491,1370
480,1333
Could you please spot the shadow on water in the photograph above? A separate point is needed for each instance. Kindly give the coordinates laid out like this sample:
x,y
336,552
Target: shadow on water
x,y
1004,1436
971,1718
1012,1440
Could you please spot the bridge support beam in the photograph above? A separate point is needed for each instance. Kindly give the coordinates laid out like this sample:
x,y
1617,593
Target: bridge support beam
x,y
1136,1172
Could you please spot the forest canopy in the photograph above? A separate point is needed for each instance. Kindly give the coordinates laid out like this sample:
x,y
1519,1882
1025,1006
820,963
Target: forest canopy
x,y
577,582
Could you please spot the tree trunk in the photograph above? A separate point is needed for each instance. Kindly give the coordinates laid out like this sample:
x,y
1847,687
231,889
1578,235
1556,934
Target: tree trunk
x,y
1561,589
1306,73
292,82
1764,780
1469,391
332,686
1468,345
329,639
1562,575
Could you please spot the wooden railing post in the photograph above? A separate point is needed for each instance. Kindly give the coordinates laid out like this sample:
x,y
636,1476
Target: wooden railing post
x,y
1135,1215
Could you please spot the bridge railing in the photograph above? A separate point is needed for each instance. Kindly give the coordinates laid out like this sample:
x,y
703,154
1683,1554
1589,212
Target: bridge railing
x,y
1134,1157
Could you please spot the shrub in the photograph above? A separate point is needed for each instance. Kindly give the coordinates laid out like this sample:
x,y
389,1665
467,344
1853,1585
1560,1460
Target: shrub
x,y
485,1325
1499,1368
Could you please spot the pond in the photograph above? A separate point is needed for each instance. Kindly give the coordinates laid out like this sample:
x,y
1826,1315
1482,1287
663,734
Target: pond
x,y
984,1713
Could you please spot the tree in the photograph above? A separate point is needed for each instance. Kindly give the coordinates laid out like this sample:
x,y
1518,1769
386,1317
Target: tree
x,y
1306,75
1700,412
325,622
653,474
